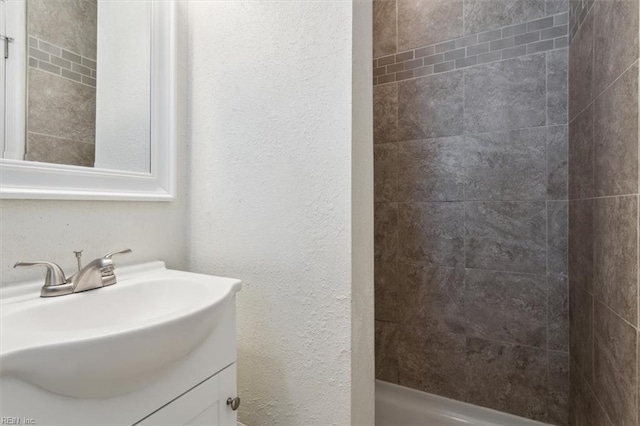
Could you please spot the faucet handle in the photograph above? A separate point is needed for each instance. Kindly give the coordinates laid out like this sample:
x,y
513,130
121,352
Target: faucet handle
x,y
108,276
55,275
110,255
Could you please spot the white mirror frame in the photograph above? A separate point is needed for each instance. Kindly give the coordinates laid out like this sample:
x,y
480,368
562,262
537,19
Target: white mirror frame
x,y
33,180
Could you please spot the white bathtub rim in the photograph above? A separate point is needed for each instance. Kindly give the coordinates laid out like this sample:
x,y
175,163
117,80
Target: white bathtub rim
x,y
449,410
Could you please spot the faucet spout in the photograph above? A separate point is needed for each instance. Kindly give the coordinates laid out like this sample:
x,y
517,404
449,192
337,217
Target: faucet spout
x,y
90,277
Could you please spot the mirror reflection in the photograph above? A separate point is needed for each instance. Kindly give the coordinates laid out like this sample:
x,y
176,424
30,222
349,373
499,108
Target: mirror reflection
x,y
87,83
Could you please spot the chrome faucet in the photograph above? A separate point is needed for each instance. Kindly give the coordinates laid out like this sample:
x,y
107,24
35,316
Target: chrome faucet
x,y
98,273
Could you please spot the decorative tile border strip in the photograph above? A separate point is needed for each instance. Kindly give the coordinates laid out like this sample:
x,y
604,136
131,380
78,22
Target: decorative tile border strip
x,y
509,42
56,60
578,11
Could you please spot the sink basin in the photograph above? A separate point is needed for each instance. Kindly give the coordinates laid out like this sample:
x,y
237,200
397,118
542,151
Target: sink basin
x,y
113,340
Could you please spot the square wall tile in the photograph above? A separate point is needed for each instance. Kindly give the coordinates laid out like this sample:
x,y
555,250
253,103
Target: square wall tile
x,y
506,95
483,15
557,86
431,170
509,378
385,172
615,39
581,236
557,162
386,292
557,237
506,236
584,409
432,362
386,232
616,137
615,259
506,307
506,165
431,233
558,312
581,155
432,298
423,22
385,113
581,68
384,27
430,107
581,326
615,366
386,348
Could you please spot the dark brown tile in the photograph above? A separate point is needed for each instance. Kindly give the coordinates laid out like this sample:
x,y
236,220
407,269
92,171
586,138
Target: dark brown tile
x,y
557,237
385,172
508,378
386,348
426,22
558,312
558,388
432,298
506,307
581,69
506,166
431,233
557,86
385,113
616,136
584,409
386,232
432,362
505,95
581,326
615,41
384,27
581,232
615,259
581,156
557,162
506,236
558,407
431,170
615,366
386,291
559,371
430,107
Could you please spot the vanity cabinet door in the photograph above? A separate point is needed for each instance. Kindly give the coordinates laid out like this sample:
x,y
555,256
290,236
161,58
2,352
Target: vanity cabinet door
x,y
206,404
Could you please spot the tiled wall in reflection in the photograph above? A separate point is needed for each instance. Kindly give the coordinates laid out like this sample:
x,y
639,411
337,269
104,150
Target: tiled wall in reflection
x,y
471,206
603,212
61,80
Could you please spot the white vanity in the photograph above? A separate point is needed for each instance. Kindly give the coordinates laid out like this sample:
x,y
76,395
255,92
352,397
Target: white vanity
x,y
157,348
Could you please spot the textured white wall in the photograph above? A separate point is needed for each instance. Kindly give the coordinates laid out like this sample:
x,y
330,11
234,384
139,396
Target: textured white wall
x,y
270,113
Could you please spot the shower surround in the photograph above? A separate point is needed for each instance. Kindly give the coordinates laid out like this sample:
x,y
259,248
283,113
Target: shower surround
x,y
470,133
603,212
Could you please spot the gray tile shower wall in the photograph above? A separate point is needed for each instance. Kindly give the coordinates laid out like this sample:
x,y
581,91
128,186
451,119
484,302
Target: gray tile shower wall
x,y
603,212
61,107
471,189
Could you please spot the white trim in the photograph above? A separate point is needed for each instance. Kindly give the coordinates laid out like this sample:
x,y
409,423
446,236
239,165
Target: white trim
x,y
33,180
16,84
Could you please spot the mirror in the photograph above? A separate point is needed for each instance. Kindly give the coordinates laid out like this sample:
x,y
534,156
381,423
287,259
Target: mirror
x,y
87,93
